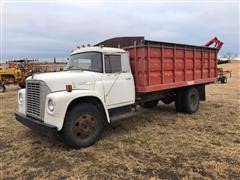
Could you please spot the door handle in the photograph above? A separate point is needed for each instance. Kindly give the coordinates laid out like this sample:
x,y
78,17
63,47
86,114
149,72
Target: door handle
x,y
128,78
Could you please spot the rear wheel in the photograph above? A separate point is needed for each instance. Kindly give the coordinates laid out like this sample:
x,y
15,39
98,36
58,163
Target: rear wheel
x,y
83,126
150,104
191,99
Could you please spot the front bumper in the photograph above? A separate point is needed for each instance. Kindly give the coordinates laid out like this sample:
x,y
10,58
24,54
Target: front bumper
x,y
41,127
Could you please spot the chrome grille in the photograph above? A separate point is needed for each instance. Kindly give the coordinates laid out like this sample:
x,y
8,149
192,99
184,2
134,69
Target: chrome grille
x,y
36,96
33,98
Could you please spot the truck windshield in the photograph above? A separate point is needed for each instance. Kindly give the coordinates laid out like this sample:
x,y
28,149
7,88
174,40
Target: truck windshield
x,y
89,61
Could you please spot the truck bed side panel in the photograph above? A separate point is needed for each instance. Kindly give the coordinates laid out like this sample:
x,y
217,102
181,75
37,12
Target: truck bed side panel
x,y
165,66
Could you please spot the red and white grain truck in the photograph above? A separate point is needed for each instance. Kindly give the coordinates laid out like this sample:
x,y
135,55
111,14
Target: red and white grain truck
x,y
106,82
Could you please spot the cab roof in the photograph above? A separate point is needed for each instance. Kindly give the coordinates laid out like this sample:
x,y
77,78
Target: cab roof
x,y
98,49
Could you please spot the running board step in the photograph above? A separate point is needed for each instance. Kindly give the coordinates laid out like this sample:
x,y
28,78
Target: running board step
x,y
122,116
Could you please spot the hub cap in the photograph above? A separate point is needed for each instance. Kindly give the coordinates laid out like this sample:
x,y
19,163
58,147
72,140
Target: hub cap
x,y
193,100
84,126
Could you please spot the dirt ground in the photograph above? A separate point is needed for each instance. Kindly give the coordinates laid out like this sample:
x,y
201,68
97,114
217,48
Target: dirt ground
x,y
158,143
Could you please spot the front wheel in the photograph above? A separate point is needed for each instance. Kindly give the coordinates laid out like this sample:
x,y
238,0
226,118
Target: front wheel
x,y
82,126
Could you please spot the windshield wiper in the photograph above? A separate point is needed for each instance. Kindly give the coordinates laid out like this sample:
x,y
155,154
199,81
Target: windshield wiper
x,y
73,68
70,67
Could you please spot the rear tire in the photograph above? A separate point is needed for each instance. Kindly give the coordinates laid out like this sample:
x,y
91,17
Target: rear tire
x,y
150,104
82,126
191,100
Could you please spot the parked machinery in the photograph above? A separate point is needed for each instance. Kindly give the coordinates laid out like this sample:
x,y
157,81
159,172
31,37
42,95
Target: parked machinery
x,y
221,74
9,76
16,72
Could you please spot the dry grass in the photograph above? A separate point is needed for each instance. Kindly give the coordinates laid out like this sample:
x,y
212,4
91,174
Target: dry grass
x,y
158,143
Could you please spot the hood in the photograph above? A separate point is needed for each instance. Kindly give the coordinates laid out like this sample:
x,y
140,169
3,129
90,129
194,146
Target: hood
x,y
57,81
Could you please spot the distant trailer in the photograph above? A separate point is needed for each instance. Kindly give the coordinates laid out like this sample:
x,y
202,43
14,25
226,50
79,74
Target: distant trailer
x,y
219,61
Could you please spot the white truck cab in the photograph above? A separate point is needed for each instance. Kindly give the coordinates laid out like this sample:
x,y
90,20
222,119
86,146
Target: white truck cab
x,y
76,102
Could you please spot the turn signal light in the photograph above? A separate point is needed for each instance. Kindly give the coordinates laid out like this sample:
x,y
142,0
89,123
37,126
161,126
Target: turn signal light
x,y
69,88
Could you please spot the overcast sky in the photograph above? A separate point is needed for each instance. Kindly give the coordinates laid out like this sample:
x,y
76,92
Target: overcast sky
x,y
47,30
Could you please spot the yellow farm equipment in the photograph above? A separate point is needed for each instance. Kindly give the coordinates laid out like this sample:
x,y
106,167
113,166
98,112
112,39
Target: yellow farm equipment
x,y
11,76
16,72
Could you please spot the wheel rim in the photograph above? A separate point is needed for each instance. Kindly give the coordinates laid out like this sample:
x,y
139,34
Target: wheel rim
x,y
194,101
84,126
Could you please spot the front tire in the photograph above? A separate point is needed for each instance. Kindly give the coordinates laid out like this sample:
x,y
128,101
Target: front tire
x,y
82,126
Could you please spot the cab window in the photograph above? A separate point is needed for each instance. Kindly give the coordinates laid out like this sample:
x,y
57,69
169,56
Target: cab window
x,y
113,63
87,61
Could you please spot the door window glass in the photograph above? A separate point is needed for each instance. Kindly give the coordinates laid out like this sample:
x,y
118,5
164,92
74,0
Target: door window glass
x,y
112,63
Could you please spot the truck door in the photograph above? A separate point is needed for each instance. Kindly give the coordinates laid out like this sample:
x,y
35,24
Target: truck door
x,y
118,81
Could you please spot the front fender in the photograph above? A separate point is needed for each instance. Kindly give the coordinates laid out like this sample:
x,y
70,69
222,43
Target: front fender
x,y
61,102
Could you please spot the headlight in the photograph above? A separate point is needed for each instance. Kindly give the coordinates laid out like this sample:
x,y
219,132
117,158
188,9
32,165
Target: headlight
x,y
50,105
20,98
